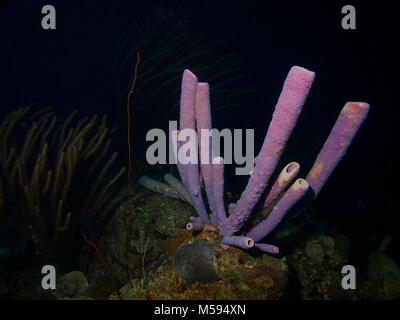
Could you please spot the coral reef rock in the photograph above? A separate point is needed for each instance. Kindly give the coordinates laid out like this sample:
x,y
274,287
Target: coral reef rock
x,y
72,284
317,269
152,219
384,276
242,274
194,262
317,249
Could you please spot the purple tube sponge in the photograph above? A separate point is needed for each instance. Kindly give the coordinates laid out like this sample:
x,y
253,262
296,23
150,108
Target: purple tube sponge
x,y
195,219
203,122
195,112
188,95
289,106
284,179
187,121
218,182
237,241
181,167
195,226
342,134
289,199
268,248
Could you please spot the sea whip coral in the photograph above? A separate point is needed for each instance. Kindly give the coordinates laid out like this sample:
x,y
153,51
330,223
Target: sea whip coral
x,y
195,114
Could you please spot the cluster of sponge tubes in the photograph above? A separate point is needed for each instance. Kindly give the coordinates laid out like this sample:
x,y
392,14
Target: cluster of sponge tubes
x,y
195,115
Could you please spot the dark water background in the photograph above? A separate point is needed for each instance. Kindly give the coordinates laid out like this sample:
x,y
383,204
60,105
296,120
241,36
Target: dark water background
x,y
71,68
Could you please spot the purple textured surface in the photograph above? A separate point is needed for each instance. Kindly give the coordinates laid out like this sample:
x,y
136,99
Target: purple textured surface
x,y
203,122
195,226
218,176
195,110
287,111
187,121
284,179
181,167
289,199
342,134
195,219
237,241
